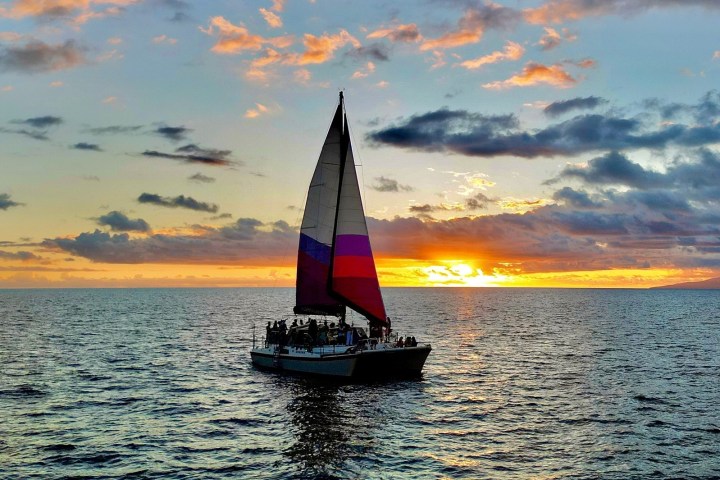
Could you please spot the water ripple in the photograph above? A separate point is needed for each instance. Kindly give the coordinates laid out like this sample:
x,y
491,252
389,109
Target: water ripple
x,y
128,384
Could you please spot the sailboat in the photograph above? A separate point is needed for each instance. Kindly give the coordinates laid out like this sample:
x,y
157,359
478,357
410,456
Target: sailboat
x,y
336,271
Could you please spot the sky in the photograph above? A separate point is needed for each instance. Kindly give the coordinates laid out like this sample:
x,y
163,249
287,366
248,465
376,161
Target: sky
x,y
547,143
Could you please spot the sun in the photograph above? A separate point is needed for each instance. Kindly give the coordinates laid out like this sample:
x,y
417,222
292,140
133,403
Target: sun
x,y
458,273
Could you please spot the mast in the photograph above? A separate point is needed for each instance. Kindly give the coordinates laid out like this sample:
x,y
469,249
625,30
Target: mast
x,y
343,157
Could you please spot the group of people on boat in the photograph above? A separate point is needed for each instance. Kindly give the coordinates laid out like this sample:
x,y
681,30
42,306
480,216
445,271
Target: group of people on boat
x,y
313,334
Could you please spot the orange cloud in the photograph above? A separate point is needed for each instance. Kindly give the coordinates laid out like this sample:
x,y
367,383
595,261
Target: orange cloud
x,y
235,39
321,49
513,51
278,5
472,26
62,8
536,74
273,20
558,11
398,33
470,30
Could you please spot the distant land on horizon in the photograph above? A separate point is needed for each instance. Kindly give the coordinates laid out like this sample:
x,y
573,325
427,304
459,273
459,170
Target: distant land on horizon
x,y
709,284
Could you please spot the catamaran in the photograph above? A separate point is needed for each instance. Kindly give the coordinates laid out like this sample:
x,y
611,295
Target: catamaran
x,y
336,271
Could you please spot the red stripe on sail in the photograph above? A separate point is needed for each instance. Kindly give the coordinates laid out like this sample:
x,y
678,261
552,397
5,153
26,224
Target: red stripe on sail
x,y
354,267
364,292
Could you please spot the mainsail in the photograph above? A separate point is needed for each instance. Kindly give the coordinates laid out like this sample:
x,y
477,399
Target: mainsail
x,y
335,261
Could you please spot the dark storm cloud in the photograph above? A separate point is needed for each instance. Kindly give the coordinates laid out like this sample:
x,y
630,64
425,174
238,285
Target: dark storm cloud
x,y
181,201
246,242
474,134
383,184
37,57
556,109
119,222
191,153
6,203
86,146
173,133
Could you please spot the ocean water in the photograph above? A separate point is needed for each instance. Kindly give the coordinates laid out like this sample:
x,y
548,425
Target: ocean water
x,y
521,383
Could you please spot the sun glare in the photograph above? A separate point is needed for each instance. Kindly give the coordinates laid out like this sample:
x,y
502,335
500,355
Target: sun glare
x,y
459,274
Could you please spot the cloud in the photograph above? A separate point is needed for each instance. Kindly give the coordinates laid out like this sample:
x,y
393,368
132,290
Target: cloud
x,y
384,184
86,146
321,49
37,57
164,39
256,112
39,127
181,201
701,177
192,153
6,203
245,242
377,52
173,133
474,134
536,74
558,108
362,73
273,20
398,33
41,123
513,51
559,11
552,39
200,178
575,198
119,222
22,255
479,201
114,129
233,39
472,26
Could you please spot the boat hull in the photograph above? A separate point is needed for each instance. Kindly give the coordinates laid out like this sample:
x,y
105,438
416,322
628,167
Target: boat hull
x,y
339,365
392,362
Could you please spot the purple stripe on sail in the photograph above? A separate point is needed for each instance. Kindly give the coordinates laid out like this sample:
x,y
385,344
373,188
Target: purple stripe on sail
x,y
355,245
318,251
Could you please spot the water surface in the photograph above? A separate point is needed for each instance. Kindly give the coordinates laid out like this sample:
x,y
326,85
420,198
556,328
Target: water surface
x,y
521,383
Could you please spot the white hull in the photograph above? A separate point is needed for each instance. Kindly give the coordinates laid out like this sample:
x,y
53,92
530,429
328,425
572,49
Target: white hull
x,y
326,362
386,360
